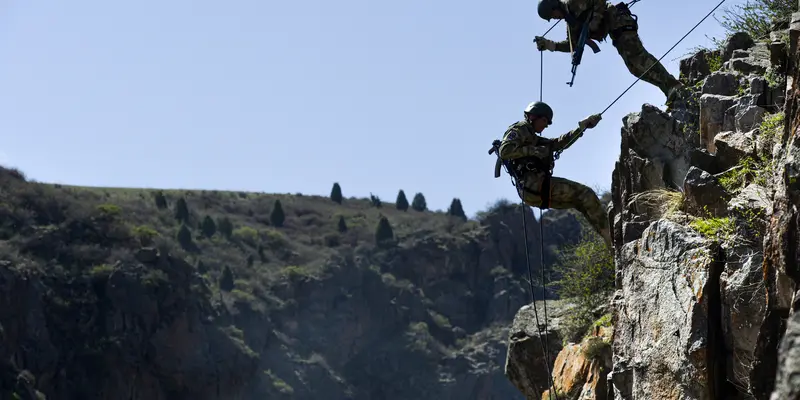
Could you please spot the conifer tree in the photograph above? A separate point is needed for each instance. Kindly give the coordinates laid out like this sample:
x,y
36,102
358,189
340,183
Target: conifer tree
x,y
383,232
342,224
182,210
226,282
402,202
161,200
209,228
419,203
456,209
336,193
225,227
276,218
185,237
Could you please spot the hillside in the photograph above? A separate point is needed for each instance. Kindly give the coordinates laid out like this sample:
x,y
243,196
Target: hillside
x,y
148,294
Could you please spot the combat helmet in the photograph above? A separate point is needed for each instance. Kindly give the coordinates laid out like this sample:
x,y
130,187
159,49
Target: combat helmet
x,y
546,8
540,109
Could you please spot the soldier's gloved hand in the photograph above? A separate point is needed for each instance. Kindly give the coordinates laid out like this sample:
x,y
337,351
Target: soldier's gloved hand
x,y
590,122
544,44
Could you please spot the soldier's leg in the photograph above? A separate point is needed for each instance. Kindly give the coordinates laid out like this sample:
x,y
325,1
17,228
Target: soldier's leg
x,y
532,187
565,193
638,60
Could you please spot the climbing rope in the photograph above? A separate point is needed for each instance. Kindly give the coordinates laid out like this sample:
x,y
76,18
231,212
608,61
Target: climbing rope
x,y
665,54
542,341
541,327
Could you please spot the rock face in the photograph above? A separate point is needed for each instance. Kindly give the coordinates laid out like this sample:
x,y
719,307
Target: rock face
x,y
148,344
667,319
693,314
707,270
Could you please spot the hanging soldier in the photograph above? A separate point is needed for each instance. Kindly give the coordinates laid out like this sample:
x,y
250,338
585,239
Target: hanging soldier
x,y
615,21
530,159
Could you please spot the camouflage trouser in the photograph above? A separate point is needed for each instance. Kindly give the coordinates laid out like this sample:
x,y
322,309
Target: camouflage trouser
x,y
638,60
565,194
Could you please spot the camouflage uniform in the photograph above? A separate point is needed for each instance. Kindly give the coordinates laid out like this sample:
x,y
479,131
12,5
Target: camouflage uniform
x,y
608,20
521,142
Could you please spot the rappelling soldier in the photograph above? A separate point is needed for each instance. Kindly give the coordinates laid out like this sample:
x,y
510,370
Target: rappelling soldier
x,y
605,19
531,158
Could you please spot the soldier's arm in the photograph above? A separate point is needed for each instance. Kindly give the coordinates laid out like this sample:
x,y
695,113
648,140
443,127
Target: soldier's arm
x,y
565,141
576,7
516,145
572,33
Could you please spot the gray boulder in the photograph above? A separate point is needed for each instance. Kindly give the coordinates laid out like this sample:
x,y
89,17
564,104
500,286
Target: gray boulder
x,y
526,363
733,146
703,192
736,41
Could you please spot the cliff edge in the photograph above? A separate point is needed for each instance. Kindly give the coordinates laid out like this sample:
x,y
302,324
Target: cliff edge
x,y
707,253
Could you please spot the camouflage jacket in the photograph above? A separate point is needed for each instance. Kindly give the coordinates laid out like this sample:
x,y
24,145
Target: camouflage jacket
x,y
520,140
599,25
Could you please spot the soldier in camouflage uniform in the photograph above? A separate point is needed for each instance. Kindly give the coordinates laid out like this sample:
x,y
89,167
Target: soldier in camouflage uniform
x,y
531,158
615,21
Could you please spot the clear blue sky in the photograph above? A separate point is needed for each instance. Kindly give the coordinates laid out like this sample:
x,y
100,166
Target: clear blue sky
x,y
291,96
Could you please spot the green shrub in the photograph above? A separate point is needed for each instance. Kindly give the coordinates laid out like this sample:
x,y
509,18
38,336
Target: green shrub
x,y
587,277
144,234
595,347
757,16
109,210
247,235
716,228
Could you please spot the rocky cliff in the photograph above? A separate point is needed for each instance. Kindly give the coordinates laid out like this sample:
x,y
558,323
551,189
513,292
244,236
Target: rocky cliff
x,y
146,295
707,253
